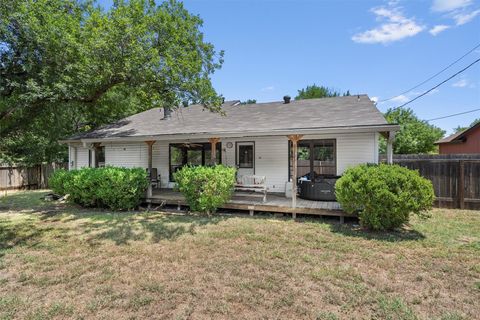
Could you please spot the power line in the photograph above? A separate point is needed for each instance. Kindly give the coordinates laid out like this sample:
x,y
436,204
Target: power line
x,y
436,74
438,85
453,115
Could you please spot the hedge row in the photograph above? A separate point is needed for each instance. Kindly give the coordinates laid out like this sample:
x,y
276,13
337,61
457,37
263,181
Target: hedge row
x,y
109,187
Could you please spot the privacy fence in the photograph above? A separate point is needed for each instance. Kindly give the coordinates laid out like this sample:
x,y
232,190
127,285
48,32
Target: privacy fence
x,y
455,178
35,177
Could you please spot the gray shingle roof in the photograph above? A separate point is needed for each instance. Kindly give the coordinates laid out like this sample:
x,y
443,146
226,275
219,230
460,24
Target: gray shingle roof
x,y
350,111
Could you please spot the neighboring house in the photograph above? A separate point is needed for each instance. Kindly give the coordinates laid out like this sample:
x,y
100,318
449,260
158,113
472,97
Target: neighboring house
x,y
466,141
336,133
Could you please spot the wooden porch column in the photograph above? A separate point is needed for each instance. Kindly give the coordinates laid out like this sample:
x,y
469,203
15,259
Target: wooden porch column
x,y
294,138
95,147
150,156
213,154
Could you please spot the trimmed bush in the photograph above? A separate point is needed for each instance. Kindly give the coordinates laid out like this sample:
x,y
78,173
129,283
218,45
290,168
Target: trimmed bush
x,y
57,181
384,195
109,187
205,188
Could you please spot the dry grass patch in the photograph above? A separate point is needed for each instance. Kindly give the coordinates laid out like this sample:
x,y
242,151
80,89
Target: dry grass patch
x,y
66,262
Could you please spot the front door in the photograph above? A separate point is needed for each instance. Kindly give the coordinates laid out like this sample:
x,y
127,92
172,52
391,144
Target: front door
x,y
245,158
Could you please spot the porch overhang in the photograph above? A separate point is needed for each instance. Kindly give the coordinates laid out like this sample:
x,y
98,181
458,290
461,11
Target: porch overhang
x,y
244,134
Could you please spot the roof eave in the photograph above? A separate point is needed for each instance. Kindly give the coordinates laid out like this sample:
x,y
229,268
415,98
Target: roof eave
x,y
233,134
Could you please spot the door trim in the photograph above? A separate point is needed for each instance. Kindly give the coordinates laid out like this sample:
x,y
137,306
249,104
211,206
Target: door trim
x,y
236,154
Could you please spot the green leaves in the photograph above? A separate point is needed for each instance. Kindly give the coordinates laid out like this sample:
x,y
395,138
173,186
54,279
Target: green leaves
x,y
415,135
109,187
205,188
93,66
384,195
314,91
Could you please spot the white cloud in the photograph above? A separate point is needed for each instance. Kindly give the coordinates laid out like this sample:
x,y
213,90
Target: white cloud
x,y
374,99
395,27
449,5
458,10
269,88
463,17
437,29
462,83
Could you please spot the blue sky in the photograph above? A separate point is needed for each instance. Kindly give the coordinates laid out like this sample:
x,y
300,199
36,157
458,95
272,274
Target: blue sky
x,y
381,48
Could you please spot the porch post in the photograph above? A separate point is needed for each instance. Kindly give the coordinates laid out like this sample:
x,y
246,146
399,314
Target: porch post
x,y
390,140
213,154
95,147
150,155
294,138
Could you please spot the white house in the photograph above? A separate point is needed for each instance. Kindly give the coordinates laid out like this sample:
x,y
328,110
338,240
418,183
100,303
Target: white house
x,y
335,134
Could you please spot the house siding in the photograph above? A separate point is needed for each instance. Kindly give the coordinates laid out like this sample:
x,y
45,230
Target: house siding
x,y
271,159
471,145
271,155
80,157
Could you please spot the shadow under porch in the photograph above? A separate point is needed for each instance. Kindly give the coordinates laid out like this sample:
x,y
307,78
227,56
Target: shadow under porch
x,y
276,203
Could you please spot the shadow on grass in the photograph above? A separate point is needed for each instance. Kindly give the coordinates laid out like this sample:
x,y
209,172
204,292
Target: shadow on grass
x,y
19,233
351,230
27,200
122,227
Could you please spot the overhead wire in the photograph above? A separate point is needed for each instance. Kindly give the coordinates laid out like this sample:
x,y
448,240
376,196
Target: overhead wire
x,y
433,76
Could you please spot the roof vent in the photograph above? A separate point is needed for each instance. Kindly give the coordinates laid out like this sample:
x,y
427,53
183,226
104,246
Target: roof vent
x,y
167,113
286,99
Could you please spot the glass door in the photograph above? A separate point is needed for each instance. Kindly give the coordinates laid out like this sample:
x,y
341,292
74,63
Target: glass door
x,y
245,158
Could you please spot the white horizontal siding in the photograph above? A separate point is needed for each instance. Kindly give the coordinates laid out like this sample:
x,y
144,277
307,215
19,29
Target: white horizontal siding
x,y
128,155
271,155
271,159
135,155
160,161
352,149
82,157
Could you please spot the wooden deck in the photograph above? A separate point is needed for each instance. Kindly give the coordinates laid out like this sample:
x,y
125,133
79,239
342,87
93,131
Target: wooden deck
x,y
275,203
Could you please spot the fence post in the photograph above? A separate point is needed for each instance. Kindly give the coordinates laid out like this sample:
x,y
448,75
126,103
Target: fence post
x,y
461,184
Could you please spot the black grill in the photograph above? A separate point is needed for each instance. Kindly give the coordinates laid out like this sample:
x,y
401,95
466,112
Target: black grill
x,y
322,189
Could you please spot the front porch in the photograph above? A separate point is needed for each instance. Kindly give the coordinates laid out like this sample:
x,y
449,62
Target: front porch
x,y
275,203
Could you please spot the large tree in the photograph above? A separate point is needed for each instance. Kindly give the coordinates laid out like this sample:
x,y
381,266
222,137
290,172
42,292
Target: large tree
x,y
68,66
415,135
314,91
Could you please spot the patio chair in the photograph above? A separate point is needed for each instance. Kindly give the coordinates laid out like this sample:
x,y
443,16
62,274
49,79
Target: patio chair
x,y
155,178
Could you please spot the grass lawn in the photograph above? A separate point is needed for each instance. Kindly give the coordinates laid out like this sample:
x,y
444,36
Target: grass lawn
x,y
65,262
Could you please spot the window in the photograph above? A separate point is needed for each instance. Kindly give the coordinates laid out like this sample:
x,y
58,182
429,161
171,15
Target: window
x,y
194,154
245,156
314,158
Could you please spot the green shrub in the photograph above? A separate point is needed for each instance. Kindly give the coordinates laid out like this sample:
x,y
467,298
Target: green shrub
x,y
205,188
384,195
109,187
57,180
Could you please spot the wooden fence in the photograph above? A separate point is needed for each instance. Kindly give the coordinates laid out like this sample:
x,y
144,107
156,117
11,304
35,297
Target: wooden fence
x,y
455,178
36,177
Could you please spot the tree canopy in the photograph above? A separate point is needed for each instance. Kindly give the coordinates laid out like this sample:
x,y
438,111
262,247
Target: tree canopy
x,y
415,135
68,66
248,101
460,128
314,91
